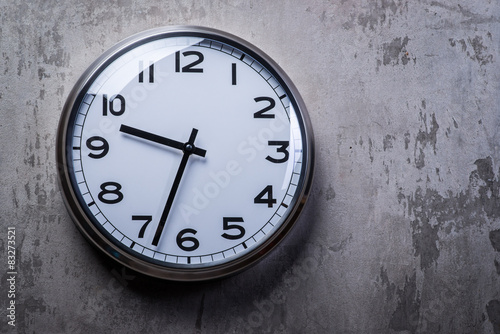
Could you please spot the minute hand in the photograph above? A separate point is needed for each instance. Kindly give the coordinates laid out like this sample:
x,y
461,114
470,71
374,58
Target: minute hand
x,y
188,149
159,139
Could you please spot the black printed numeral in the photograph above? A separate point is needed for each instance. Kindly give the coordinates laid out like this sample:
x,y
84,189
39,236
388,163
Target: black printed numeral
x,y
187,244
233,74
147,220
116,105
189,68
265,197
283,145
110,193
150,72
97,143
262,113
227,225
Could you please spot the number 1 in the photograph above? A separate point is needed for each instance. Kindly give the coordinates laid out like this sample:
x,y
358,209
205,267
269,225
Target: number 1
x,y
233,74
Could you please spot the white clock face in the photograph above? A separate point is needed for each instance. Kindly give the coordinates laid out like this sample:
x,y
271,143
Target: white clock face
x,y
186,151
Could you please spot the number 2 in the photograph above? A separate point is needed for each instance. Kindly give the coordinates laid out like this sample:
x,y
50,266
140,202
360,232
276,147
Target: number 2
x,y
262,113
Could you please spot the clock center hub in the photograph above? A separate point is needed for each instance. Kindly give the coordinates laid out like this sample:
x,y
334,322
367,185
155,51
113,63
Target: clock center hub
x,y
188,148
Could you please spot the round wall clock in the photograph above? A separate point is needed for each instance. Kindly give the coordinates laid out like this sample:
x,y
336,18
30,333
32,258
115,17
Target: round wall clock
x,y
184,153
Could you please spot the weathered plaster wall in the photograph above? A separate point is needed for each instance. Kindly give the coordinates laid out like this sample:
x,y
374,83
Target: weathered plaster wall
x,y
402,233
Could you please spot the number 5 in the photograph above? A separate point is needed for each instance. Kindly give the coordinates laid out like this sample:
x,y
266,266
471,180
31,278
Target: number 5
x,y
227,226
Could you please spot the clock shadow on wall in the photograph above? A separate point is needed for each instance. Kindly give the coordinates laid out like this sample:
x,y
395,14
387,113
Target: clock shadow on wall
x,y
277,272
186,154
269,284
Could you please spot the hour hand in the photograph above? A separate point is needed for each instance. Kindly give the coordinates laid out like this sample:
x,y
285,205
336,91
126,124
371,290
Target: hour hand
x,y
160,140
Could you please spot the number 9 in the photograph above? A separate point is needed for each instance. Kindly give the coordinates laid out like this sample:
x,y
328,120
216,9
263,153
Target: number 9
x,y
104,147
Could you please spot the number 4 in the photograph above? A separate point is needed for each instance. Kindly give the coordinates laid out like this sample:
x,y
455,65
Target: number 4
x,y
269,200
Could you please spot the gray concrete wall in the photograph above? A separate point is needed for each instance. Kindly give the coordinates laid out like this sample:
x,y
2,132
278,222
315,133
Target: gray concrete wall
x,y
402,233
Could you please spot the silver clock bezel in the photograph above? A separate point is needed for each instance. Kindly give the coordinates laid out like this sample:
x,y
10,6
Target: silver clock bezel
x,y
110,248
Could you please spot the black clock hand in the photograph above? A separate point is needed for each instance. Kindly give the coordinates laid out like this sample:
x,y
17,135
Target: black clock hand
x,y
188,149
161,140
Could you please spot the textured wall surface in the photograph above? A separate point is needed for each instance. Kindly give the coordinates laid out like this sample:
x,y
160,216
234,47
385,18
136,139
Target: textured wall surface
x,y
402,232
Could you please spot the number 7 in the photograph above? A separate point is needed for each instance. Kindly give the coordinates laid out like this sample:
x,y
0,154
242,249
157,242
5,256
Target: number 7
x,y
148,220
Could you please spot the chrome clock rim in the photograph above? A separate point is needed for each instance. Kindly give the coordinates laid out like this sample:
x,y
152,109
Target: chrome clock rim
x,y
111,249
